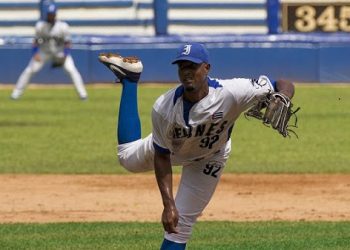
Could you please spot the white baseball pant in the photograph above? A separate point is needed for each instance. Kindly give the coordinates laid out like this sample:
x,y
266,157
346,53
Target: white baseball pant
x,y
198,181
34,66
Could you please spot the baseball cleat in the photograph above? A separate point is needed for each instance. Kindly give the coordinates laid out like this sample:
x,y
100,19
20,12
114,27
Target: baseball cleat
x,y
83,98
123,67
16,94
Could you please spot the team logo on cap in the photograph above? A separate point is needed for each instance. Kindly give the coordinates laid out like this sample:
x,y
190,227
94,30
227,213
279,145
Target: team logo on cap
x,y
187,50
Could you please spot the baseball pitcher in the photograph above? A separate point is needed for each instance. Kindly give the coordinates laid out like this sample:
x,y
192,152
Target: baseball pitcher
x,y
192,126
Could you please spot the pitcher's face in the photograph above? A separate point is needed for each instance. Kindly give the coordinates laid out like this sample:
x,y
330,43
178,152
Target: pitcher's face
x,y
193,75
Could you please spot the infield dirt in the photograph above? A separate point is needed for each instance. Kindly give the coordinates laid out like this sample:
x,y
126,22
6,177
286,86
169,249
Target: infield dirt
x,y
63,198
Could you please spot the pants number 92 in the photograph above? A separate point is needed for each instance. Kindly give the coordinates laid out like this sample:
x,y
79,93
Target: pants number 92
x,y
212,168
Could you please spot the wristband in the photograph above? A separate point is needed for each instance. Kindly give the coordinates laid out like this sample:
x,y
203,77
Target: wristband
x,y
66,51
35,49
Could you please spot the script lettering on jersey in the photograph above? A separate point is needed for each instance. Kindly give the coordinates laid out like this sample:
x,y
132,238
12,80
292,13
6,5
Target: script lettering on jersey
x,y
181,132
209,131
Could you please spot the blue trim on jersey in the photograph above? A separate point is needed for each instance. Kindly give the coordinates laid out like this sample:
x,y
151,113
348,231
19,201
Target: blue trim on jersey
x,y
274,85
187,107
170,245
178,92
160,149
214,83
35,49
66,51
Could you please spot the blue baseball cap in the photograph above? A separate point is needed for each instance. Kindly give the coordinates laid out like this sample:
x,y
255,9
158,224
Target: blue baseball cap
x,y
194,52
51,9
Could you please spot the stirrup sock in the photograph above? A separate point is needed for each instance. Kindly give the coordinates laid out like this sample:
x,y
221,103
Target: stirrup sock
x,y
170,245
129,126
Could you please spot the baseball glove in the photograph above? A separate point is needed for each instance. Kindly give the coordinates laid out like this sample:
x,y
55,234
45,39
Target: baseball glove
x,y
277,113
58,62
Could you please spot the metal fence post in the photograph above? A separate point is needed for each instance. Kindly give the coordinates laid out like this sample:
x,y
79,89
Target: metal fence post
x,y
272,8
161,17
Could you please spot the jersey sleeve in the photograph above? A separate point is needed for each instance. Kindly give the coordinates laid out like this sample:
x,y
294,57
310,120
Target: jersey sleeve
x,y
246,92
66,32
159,126
38,30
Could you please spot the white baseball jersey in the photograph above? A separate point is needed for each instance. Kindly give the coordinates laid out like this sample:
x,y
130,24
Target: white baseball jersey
x,y
197,136
197,132
50,38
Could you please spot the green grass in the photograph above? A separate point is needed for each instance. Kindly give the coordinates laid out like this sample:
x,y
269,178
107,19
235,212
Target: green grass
x,y
323,144
206,235
52,131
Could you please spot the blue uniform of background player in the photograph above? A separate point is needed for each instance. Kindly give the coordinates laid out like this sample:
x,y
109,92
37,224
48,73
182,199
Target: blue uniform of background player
x,y
192,124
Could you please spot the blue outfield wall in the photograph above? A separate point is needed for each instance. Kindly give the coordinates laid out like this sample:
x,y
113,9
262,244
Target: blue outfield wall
x,y
300,58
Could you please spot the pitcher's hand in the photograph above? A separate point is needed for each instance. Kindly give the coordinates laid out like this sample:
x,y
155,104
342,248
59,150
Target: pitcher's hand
x,y
170,218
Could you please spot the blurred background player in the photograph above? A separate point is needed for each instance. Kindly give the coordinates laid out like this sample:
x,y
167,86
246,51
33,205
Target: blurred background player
x,y
52,44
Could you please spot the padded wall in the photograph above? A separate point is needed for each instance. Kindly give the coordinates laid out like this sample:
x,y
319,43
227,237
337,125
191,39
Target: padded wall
x,y
301,59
